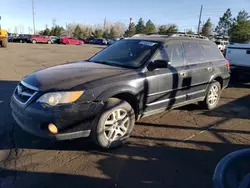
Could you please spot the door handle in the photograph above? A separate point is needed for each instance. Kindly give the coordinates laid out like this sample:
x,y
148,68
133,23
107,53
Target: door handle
x,y
182,74
209,68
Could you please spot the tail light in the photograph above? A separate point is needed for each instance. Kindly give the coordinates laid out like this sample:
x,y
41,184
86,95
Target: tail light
x,y
227,64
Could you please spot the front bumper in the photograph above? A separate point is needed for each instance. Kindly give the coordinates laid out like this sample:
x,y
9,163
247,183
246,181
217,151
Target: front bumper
x,y
73,121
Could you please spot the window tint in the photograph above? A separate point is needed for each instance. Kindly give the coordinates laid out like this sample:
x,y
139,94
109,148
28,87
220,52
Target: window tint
x,y
193,52
211,52
174,53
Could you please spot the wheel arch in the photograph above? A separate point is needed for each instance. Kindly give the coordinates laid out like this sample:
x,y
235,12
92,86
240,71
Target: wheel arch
x,y
127,94
217,78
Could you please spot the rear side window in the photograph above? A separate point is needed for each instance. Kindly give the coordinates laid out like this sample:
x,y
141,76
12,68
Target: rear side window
x,y
193,53
211,52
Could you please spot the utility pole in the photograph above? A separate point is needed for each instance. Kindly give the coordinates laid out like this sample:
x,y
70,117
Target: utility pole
x,y
33,13
199,24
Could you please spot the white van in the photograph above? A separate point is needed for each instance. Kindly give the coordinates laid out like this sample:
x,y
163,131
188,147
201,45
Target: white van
x,y
238,56
221,44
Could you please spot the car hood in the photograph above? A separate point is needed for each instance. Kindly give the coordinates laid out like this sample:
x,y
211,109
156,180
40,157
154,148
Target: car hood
x,y
68,76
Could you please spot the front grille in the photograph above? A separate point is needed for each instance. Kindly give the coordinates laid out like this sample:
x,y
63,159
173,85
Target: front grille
x,y
23,93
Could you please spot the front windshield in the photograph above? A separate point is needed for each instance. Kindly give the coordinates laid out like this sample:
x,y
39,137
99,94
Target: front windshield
x,y
127,53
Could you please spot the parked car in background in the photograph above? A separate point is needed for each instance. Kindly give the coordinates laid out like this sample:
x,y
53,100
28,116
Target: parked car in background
x,y
112,41
239,57
88,40
221,44
69,40
12,36
22,38
100,41
103,96
55,40
39,39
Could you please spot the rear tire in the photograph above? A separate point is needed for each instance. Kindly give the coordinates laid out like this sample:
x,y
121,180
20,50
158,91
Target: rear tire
x,y
34,41
114,125
49,42
212,97
4,43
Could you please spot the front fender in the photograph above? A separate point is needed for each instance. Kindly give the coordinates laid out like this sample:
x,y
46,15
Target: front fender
x,y
114,91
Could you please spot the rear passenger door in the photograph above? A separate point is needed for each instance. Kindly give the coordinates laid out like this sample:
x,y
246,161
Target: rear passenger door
x,y
199,70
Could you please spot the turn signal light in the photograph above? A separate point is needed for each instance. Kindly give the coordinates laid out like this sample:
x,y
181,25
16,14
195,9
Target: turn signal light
x,y
52,128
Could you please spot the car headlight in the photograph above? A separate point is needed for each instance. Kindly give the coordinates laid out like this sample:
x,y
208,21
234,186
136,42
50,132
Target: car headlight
x,y
56,98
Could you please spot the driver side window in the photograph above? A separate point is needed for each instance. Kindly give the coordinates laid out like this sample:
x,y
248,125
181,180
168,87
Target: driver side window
x,y
173,53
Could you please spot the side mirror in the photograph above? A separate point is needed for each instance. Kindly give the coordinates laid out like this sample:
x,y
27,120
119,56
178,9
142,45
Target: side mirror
x,y
158,64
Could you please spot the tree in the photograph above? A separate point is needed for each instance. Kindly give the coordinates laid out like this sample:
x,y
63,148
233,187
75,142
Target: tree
x,y
162,29
106,34
150,27
46,32
166,29
240,32
113,33
77,32
130,31
242,16
172,29
56,31
225,23
98,33
207,28
189,31
140,27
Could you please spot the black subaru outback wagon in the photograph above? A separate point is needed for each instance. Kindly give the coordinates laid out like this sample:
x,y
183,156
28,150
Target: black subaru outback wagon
x,y
103,96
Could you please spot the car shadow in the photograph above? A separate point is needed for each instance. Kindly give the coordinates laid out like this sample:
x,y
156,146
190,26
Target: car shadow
x,y
238,108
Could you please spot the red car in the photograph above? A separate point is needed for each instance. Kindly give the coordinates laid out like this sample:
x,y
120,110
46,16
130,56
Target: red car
x,y
69,40
39,39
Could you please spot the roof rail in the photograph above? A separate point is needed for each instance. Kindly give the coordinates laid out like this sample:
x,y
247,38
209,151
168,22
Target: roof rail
x,y
179,34
138,35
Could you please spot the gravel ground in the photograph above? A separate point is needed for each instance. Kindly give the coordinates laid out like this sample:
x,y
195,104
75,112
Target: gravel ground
x,y
177,148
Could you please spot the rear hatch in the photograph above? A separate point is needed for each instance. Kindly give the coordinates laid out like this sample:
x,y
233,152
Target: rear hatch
x,y
238,54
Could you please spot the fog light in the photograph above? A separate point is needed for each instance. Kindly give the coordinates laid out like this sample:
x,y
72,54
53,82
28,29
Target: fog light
x,y
52,128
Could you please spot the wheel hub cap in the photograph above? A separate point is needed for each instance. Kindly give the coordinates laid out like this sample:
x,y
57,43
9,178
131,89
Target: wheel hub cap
x,y
116,125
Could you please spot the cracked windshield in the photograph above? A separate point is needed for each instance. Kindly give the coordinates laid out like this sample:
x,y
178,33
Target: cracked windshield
x,y
125,94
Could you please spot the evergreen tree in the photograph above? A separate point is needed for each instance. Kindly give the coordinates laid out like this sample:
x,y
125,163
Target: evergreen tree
x,y
98,33
77,32
240,32
106,34
207,28
113,33
242,16
224,24
46,32
140,27
130,31
150,27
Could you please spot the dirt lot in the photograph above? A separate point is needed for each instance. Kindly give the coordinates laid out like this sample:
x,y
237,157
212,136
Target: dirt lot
x,y
178,148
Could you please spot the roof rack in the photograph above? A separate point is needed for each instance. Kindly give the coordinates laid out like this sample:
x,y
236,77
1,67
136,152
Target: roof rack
x,y
180,34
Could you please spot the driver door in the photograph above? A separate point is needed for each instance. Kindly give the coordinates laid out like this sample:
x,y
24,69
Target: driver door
x,y
167,86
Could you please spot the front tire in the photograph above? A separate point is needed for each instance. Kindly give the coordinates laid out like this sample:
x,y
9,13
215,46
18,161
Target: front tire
x,y
114,125
34,41
212,97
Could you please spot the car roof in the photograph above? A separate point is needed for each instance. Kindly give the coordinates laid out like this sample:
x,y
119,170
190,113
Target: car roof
x,y
165,38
